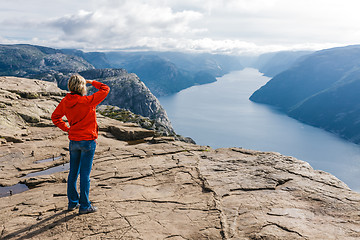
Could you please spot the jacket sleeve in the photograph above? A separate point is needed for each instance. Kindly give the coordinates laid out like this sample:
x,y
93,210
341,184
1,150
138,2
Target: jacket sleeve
x,y
56,117
100,95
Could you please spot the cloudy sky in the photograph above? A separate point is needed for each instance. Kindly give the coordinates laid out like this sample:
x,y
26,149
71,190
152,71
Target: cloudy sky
x,y
222,26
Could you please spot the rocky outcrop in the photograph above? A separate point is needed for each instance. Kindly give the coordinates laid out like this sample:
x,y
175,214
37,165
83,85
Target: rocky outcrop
x,y
25,102
26,106
128,92
158,188
127,116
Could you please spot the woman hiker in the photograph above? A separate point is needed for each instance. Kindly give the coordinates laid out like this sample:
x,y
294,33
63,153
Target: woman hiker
x,y
79,110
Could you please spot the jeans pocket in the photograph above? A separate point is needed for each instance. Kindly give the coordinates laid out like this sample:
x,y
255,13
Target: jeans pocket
x,y
93,145
88,146
71,145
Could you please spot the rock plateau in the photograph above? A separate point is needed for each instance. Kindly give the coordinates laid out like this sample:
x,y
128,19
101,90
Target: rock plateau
x,y
150,187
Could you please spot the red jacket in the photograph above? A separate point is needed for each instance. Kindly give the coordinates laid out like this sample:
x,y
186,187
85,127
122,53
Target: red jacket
x,y
80,113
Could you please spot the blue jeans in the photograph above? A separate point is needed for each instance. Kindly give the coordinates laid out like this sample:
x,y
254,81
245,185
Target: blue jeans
x,y
81,158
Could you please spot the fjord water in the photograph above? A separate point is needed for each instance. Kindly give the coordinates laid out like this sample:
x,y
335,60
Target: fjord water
x,y
220,114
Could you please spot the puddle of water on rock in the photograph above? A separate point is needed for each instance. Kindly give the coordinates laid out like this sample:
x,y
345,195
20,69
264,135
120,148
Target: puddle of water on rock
x,y
52,170
48,159
18,188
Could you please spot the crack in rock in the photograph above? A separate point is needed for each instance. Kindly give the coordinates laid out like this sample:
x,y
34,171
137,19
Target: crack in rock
x,y
252,189
149,175
217,199
152,201
127,229
2,231
312,179
198,209
126,219
284,229
280,182
176,235
246,151
107,232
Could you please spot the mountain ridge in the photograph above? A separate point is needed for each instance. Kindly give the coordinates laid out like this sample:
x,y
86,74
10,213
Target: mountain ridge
x,y
170,72
274,63
320,90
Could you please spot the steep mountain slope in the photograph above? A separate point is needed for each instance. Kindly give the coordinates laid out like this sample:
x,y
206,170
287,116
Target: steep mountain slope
x,y
321,90
215,64
336,109
164,77
274,63
167,72
97,59
128,92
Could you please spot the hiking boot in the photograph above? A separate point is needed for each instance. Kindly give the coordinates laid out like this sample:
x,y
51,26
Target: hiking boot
x,y
73,208
91,209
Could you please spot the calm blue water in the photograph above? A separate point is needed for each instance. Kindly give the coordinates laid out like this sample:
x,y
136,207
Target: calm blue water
x,y
220,114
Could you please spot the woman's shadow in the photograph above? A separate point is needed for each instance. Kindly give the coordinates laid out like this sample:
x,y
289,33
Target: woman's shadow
x,y
42,226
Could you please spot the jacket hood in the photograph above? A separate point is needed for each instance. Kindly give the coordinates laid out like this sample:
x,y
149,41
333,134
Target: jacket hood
x,y
71,100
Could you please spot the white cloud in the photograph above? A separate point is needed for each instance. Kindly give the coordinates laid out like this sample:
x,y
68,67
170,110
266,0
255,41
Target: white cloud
x,y
126,24
284,21
196,25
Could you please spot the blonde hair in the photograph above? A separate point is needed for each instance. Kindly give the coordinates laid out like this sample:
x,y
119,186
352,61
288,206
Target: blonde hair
x,y
77,84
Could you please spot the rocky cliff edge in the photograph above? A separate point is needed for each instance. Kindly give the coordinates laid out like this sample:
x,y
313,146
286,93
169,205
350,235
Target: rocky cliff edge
x,y
157,188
